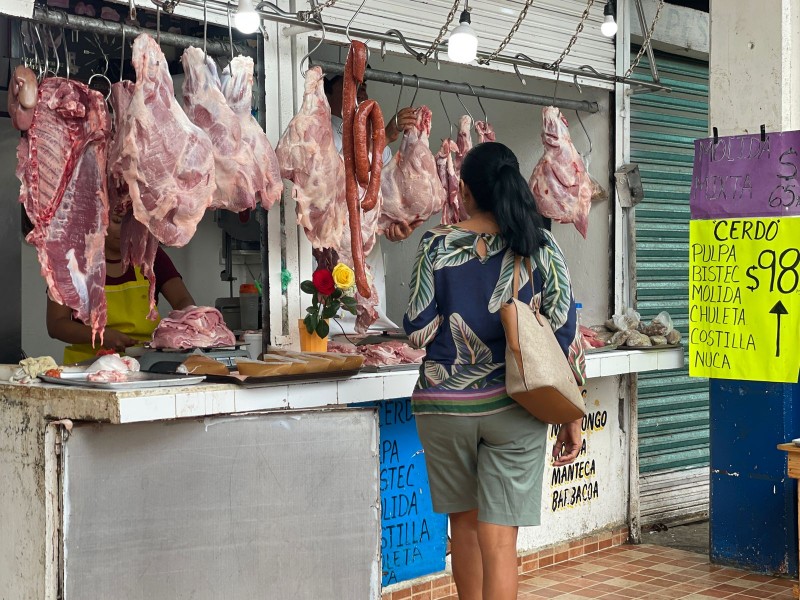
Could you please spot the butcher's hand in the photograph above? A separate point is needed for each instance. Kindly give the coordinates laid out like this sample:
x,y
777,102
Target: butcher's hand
x,y
403,120
568,443
399,231
116,340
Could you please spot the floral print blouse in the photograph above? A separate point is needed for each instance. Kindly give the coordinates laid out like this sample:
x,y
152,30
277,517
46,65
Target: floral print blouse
x,y
454,313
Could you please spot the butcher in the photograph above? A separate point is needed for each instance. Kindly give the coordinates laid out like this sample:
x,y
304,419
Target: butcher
x,y
404,118
128,298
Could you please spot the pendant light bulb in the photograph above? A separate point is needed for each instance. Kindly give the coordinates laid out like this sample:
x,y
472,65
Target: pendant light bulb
x,y
462,45
246,18
609,26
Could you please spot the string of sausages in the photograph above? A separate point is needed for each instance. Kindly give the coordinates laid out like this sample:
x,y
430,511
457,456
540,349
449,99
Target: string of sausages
x,y
361,168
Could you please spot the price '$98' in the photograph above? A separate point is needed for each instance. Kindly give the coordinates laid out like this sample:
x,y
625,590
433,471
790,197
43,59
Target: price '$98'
x,y
782,270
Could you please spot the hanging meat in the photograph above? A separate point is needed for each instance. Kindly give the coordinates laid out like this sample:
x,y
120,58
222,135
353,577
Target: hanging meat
x,y
237,87
362,161
62,170
560,184
463,141
485,132
410,183
308,157
166,160
22,94
452,210
137,245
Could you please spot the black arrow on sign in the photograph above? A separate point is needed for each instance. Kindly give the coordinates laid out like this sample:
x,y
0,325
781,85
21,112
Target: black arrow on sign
x,y
778,310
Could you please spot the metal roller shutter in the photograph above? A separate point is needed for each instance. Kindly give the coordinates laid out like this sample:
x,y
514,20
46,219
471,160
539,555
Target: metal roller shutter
x,y
673,409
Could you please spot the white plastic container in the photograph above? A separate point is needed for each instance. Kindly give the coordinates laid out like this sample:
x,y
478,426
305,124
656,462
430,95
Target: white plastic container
x,y
253,342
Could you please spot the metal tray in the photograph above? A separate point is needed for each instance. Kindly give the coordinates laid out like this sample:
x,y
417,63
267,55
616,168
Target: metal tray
x,y
136,381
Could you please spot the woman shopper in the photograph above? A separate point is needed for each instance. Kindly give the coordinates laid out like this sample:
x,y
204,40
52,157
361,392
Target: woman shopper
x,y
484,453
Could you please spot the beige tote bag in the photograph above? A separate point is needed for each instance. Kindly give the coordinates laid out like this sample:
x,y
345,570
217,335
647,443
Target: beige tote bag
x,y
538,375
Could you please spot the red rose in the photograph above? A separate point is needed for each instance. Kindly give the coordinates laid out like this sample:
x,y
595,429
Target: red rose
x,y
323,281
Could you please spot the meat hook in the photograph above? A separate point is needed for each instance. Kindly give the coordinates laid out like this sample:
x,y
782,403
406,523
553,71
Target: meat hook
x,y
42,71
122,58
588,137
577,85
205,26
66,52
521,78
414,98
464,106
55,51
400,95
158,23
307,57
555,89
230,35
478,98
131,11
350,22
444,108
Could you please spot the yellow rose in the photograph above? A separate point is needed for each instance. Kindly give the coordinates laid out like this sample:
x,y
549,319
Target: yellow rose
x,y
343,276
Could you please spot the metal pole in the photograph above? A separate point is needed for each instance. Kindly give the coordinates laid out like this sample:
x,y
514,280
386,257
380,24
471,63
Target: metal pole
x,y
59,18
650,56
261,108
300,20
461,88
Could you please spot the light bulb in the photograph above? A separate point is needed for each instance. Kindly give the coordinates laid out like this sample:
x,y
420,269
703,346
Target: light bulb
x,y
246,18
609,26
462,45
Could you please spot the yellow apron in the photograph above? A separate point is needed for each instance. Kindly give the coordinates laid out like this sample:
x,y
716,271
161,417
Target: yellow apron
x,y
128,306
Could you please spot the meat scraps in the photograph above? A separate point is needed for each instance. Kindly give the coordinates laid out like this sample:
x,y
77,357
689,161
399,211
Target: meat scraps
x,y
452,210
308,157
383,354
193,327
485,132
410,182
237,87
560,184
62,168
166,160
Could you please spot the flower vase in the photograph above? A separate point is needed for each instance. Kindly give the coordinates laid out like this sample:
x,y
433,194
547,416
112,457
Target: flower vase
x,y
311,342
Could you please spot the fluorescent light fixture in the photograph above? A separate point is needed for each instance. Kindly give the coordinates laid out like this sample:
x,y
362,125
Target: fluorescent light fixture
x,y
609,26
246,18
462,45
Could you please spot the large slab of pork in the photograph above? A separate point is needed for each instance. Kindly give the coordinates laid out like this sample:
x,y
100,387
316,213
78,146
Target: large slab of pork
x,y
452,210
206,107
137,245
166,160
410,182
193,327
62,169
237,87
560,184
308,157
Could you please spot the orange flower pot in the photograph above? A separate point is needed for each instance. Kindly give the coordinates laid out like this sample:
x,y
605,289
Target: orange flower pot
x,y
311,342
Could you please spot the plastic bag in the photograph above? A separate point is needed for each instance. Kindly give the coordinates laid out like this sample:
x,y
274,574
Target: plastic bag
x,y
628,320
661,325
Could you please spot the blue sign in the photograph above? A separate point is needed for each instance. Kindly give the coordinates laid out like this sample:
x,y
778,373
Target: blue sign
x,y
413,537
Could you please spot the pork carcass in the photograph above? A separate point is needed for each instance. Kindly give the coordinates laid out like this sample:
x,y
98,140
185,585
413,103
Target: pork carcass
x,y
485,132
560,184
452,211
410,183
308,157
137,245
166,160
62,168
193,327
237,87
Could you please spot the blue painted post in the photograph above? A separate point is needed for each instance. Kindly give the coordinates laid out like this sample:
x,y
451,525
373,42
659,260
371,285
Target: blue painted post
x,y
753,513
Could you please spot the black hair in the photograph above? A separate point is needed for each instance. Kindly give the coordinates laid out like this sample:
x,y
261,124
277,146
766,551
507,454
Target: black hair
x,y
491,172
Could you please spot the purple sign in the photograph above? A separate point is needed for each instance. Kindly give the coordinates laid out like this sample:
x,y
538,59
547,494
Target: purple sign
x,y
743,176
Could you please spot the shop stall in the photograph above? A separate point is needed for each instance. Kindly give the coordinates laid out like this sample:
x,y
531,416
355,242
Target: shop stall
x,y
311,483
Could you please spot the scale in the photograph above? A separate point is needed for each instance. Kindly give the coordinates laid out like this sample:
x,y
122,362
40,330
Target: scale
x,y
167,361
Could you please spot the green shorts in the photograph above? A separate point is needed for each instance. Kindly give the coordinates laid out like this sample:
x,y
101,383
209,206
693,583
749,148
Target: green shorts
x,y
493,463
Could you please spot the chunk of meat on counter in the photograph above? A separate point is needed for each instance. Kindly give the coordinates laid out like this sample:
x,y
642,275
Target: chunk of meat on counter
x,y
166,160
62,169
308,157
193,327
380,355
410,184
560,184
237,86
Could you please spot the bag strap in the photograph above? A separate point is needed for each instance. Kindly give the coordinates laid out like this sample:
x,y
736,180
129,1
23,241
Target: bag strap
x,y
517,266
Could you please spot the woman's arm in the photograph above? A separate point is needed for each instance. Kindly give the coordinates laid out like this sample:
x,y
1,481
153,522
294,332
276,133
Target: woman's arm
x,y
61,326
174,290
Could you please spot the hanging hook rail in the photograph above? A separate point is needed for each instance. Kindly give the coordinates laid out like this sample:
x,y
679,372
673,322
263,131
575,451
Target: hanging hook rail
x,y
478,98
59,18
436,85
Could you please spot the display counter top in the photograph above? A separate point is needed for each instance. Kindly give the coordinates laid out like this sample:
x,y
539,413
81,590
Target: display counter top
x,y
199,400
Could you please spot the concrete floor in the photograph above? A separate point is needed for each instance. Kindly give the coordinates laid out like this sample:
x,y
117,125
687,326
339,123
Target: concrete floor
x,y
692,537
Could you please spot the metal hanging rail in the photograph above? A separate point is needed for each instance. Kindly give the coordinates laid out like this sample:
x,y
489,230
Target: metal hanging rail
x,y
58,18
302,21
461,88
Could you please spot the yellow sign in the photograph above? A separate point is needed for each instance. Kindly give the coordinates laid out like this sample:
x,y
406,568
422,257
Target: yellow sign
x,y
744,299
